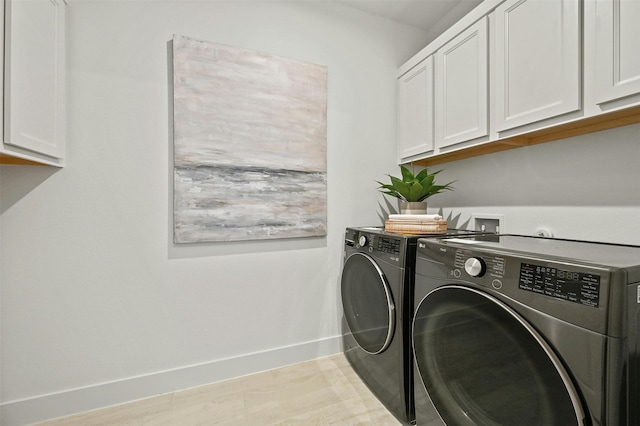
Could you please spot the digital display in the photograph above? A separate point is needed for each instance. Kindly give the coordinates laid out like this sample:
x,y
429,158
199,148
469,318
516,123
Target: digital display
x,y
568,275
576,287
388,245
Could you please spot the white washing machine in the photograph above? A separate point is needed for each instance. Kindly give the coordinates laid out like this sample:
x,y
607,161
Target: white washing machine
x,y
514,330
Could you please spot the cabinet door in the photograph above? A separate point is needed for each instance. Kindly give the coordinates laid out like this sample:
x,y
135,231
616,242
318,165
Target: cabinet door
x,y
461,87
537,61
34,76
617,51
415,111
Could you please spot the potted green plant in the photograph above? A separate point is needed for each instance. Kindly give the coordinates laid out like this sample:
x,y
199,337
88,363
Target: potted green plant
x,y
413,190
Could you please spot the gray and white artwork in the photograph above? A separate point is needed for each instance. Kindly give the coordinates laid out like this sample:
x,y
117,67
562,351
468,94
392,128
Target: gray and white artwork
x,y
250,132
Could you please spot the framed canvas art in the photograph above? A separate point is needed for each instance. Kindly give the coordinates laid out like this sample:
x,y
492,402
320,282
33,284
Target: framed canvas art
x,y
250,132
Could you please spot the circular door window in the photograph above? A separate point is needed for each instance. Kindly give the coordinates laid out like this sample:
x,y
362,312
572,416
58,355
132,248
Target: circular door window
x,y
367,303
481,364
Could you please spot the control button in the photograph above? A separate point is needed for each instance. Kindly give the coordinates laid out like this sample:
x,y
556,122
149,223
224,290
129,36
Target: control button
x,y
457,273
362,241
497,284
475,267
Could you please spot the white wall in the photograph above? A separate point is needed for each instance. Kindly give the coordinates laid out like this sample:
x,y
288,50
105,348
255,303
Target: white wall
x,y
98,305
585,187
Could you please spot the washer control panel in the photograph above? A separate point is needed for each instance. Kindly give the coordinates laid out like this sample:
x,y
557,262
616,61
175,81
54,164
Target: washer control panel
x,y
389,245
375,243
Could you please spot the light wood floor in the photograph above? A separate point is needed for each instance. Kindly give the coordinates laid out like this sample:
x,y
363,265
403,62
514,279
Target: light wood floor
x,y
325,391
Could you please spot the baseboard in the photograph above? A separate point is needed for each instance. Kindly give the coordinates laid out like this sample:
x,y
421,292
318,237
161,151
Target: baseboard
x,y
61,404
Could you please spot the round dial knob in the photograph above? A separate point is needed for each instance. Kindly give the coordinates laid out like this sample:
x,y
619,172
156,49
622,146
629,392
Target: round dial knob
x,y
475,267
362,241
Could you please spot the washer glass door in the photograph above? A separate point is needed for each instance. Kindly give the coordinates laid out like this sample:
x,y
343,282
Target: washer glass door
x,y
367,303
482,364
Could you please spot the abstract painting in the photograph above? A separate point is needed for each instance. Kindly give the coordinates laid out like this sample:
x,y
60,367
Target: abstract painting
x,y
250,144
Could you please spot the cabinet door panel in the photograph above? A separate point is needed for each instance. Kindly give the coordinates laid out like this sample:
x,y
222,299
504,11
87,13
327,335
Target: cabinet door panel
x,y
415,111
537,61
461,87
617,51
34,79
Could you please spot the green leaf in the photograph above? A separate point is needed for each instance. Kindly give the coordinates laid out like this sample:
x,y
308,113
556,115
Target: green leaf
x,y
423,174
427,181
416,192
401,187
407,175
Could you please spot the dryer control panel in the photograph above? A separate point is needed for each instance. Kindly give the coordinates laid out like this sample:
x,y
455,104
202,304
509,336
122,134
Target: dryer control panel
x,y
560,278
572,286
491,265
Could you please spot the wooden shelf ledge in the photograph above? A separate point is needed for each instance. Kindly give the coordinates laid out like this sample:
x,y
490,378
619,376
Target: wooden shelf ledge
x,y
584,126
17,161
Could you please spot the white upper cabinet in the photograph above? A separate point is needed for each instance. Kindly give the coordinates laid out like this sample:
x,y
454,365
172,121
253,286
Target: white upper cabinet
x,y
34,80
617,57
461,87
537,64
415,111
558,68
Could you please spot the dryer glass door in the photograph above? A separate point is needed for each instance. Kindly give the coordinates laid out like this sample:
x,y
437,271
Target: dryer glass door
x,y
367,303
482,364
